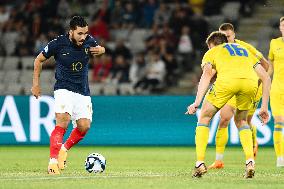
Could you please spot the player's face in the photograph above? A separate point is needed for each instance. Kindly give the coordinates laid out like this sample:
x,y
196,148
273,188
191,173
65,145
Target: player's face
x,y
281,27
230,35
79,35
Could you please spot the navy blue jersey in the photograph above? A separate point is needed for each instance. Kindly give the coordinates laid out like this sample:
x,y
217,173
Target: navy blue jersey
x,y
71,70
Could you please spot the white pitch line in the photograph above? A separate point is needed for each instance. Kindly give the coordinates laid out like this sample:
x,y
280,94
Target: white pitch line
x,y
49,177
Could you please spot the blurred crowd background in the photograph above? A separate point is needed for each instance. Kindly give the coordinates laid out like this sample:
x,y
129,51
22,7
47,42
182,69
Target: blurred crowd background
x,y
152,47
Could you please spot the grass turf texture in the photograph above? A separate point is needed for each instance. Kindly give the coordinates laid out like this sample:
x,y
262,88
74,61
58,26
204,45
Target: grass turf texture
x,y
135,167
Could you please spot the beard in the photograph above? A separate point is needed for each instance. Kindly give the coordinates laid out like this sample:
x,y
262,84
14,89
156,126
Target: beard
x,y
77,42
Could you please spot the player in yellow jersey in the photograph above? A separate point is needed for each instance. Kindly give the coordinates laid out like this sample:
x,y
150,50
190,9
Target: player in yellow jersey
x,y
276,57
236,68
227,112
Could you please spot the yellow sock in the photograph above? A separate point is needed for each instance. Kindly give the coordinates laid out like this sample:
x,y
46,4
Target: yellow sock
x,y
201,140
254,134
246,141
278,139
221,140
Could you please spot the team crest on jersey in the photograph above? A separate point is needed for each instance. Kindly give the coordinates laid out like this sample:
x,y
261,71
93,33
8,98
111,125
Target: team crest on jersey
x,y
86,50
46,49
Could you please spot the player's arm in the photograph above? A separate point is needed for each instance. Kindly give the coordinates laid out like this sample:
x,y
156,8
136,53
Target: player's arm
x,y
97,50
271,58
265,63
271,68
266,84
207,74
36,91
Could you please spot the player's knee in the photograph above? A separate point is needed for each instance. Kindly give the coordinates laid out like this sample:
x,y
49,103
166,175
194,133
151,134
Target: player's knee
x,y
225,118
63,120
224,122
278,119
63,124
83,125
205,116
239,122
204,120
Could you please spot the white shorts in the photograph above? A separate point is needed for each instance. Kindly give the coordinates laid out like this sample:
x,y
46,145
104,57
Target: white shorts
x,y
75,104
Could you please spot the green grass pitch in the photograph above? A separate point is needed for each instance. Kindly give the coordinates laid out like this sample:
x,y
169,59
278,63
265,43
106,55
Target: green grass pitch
x,y
135,167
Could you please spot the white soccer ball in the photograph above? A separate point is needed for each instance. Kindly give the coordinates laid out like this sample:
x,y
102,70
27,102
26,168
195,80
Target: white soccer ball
x,y
95,163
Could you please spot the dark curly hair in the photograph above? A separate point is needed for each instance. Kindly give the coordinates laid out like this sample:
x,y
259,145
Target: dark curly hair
x,y
77,21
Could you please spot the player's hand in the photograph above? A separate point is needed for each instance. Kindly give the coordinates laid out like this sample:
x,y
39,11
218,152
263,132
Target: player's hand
x,y
36,91
263,115
98,50
192,108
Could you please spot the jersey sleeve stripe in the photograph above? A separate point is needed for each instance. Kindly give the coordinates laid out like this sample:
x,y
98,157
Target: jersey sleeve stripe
x,y
256,64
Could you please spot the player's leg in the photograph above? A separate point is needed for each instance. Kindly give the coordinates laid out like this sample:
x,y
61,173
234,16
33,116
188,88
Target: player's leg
x,y
279,140
63,112
246,141
246,94
254,133
245,133
222,135
78,133
82,117
277,107
56,139
202,135
218,95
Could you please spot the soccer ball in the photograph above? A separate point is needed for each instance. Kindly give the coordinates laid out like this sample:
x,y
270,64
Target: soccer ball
x,y
95,163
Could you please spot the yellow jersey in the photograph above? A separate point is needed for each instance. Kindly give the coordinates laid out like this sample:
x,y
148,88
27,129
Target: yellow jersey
x,y
276,55
251,48
231,61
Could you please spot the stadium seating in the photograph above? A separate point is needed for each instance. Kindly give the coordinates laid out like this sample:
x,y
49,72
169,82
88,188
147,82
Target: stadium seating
x,y
257,28
10,63
96,88
27,62
13,88
136,39
231,11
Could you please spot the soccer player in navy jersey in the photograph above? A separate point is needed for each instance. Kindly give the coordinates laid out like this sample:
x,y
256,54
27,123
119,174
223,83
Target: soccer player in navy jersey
x,y
71,90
